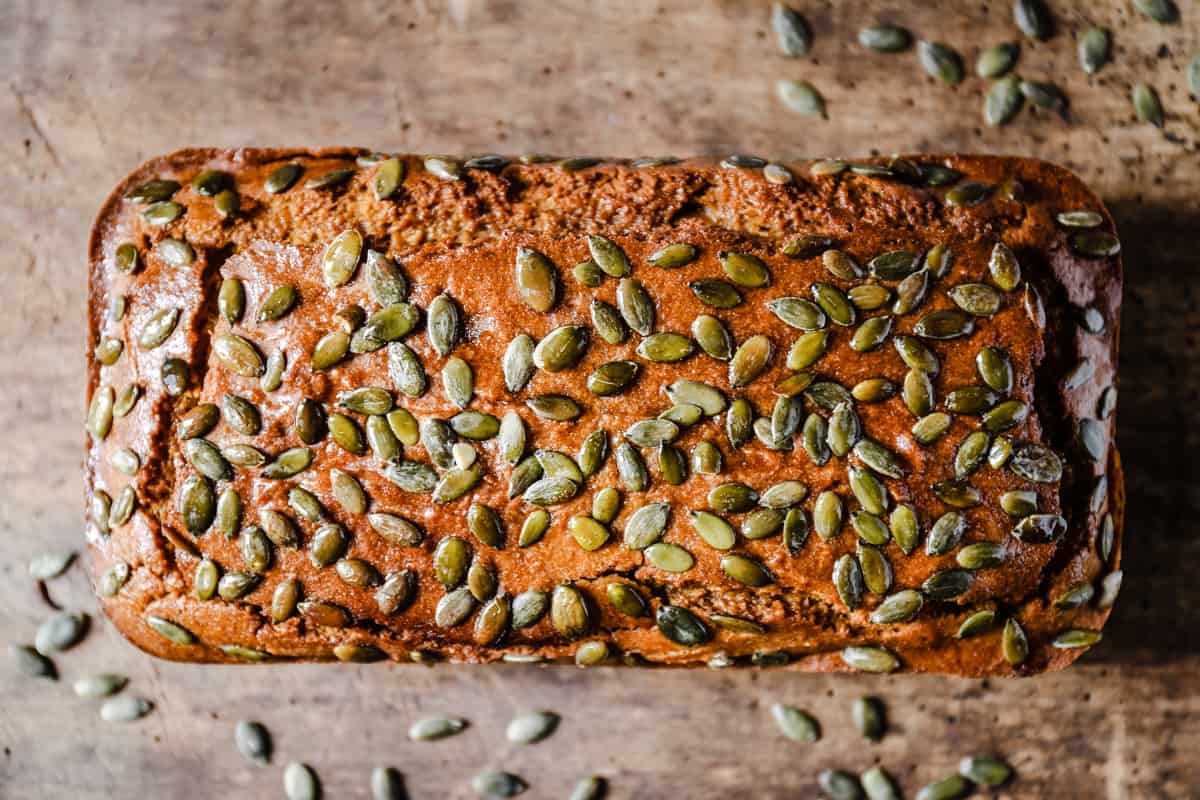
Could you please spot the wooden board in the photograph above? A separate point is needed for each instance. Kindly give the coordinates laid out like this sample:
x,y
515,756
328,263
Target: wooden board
x,y
91,88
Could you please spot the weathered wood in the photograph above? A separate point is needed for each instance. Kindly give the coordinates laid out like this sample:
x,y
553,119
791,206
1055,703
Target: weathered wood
x,y
94,87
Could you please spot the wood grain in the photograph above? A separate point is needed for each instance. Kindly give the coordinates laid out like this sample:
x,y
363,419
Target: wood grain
x,y
92,88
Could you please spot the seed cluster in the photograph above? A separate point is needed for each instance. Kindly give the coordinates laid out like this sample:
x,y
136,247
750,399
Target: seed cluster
x,y
914,302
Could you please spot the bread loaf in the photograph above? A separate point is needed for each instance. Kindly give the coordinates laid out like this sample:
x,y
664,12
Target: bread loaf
x,y
833,415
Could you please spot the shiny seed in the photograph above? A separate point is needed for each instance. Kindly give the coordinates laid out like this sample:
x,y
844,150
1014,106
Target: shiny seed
x,y
971,400
1095,46
1003,99
716,293
550,491
911,291
1110,587
484,524
431,729
669,557
561,348
1147,105
901,606
848,581
612,378
762,523
569,612
1036,463
744,269
609,257
636,306
207,459
665,347
129,396
947,584
978,299
608,322
834,304
279,528
103,684
646,525
971,453
256,549
1033,18
442,167
950,788
171,631
798,312
236,585
536,279
681,626
1001,450
870,527
975,624
797,725
997,60
844,429
125,708
1013,643
879,458
876,569
305,504
982,555
112,579
985,770
839,785
557,407
872,333
673,256
750,360
631,467
957,493
870,296
330,180
405,370
1093,437
1040,528
443,324
1161,11
328,544
969,194
792,33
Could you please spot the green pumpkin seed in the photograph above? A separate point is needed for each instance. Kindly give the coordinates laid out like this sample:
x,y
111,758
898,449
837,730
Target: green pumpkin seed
x,y
389,324
800,97
347,434
561,348
901,606
396,530
947,584
713,337
844,429
129,396
533,528
870,296
1147,105
626,600
870,334
481,582
673,256
1093,437
969,194
977,299
646,525
848,581
716,532
556,407
171,631
330,350
518,363
952,787
762,523
605,505
879,785
162,213
1014,645
432,729
305,504
175,376
592,453
1075,597
879,458
982,555
1044,95
1110,587
827,515
876,569
997,60
665,347
1095,47
1162,11
443,167
669,557
957,493
153,191
528,607
797,725
458,381
609,257
550,491
207,459
536,279
236,585
894,265
631,468
910,293
454,608
636,306
411,476
744,269
512,437
885,38
834,304
158,328
256,549
100,506
484,524
385,281
672,465
126,257
569,612
841,265
456,483
1040,528
608,322
839,785
870,527
715,293
451,559
109,350
329,543
1033,19
681,626
405,370
612,378
971,400
330,180
1036,463
918,393
985,770
798,312
750,360
443,324
1003,100
971,453
389,174
976,624
1001,451
175,252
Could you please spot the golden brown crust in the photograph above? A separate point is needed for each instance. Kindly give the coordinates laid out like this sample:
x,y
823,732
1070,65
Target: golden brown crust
x,y
460,237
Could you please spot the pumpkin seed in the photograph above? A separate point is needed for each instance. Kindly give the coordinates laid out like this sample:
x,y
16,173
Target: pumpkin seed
x,y
244,455
636,306
1033,19
910,293
952,787
175,252
1044,95
125,708
681,626
158,328
673,256
879,785
1003,99
171,631
870,296
569,612
1095,46
612,378
879,458
1093,437
1110,587
451,559
129,396
1040,528
550,491
1036,463
560,349
716,293
971,453
845,429
1146,105
109,350
870,658
1162,11
1075,597
44,566
443,324
174,376
669,557
870,527
947,584
957,493
101,684
744,269
876,569
978,299
257,549
456,483
985,770
976,624
497,784
61,632
1014,645
100,507
532,727
444,167
870,334
982,555
482,583
557,407
885,38
901,606
997,60
940,61
969,194
839,785
631,467
1001,450
528,607
609,257
608,323
835,304
795,724
792,32
848,581
646,525
971,400
112,579
536,279
431,729
236,585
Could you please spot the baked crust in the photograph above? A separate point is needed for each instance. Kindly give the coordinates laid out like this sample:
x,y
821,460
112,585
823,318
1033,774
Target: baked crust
x,y
461,237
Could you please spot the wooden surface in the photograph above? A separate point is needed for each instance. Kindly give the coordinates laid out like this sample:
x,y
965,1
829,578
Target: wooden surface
x,y
93,87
